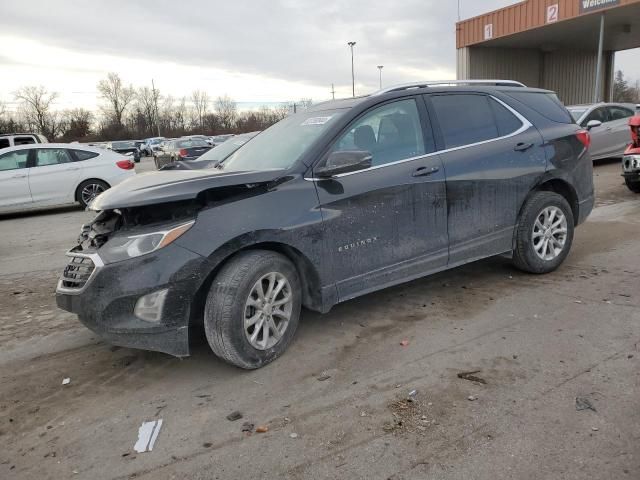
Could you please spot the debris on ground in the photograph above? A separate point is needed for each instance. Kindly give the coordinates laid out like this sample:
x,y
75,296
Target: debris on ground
x,y
412,396
262,429
247,427
293,435
472,398
147,435
408,416
583,403
404,343
595,429
471,376
323,376
66,381
233,416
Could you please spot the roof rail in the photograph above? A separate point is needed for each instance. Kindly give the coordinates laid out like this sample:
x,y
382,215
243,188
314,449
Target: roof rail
x,y
409,86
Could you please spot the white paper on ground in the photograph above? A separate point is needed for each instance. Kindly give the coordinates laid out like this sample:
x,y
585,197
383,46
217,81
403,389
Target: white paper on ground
x,y
147,434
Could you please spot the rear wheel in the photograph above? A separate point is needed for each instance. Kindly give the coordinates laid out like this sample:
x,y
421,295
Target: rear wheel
x,y
89,190
633,184
253,308
544,233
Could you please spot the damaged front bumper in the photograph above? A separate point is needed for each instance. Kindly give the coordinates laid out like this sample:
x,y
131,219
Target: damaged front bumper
x,y
104,296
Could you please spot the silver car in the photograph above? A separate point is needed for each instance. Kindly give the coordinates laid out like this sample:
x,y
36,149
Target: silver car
x,y
608,125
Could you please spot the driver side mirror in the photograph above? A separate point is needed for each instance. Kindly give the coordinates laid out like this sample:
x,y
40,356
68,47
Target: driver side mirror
x,y
593,124
344,162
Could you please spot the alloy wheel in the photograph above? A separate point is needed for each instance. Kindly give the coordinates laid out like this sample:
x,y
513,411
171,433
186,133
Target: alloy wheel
x,y
91,191
268,310
549,233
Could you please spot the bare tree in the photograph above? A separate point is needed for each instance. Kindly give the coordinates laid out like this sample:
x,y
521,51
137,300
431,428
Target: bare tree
x,y
35,106
146,99
227,112
116,96
200,101
180,114
77,124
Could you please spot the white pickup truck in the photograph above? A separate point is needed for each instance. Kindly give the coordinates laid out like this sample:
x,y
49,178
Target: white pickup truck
x,y
13,139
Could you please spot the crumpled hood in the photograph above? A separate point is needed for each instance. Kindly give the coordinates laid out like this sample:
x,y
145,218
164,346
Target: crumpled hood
x,y
174,185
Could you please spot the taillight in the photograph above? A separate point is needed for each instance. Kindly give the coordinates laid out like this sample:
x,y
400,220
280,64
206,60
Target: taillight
x,y
125,164
584,137
183,152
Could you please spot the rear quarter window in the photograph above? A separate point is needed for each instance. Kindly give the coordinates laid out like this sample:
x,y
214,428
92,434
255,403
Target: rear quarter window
x,y
546,104
83,155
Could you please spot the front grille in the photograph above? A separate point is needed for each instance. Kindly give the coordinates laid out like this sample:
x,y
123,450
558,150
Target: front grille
x,y
77,272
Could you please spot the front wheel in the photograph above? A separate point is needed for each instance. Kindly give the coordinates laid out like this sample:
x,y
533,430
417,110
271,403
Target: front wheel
x,y
253,308
89,190
633,184
544,233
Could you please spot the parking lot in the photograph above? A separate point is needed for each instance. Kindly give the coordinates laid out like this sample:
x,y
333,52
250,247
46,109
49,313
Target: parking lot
x,y
336,403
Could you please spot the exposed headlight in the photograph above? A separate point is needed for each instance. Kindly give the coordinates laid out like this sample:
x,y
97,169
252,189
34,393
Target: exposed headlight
x,y
123,247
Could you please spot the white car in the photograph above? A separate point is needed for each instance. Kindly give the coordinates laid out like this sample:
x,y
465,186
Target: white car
x,y
53,174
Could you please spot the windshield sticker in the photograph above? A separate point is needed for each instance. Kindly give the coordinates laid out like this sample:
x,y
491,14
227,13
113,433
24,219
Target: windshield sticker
x,y
316,120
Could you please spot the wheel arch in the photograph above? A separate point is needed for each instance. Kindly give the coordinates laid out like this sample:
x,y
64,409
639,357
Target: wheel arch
x,y
561,187
309,276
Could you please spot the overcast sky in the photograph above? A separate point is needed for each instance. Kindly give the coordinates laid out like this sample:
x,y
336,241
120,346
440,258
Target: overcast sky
x,y
254,51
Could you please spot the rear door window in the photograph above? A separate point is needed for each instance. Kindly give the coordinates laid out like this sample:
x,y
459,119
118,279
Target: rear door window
x,y
51,156
464,119
4,143
506,121
14,160
618,113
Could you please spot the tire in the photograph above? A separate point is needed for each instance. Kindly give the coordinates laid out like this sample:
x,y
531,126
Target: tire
x,y
536,257
88,188
227,306
633,185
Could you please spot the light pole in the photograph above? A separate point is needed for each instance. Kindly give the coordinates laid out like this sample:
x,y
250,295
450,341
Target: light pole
x,y
353,77
380,67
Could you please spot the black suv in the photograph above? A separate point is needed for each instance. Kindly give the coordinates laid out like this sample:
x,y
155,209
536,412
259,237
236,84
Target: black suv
x,y
338,201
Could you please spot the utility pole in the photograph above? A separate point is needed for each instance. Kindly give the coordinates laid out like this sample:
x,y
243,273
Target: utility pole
x,y
458,10
380,67
155,101
333,92
353,77
596,93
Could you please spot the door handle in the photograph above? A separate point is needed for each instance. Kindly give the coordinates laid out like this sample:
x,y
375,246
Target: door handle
x,y
521,147
425,171
19,175
73,168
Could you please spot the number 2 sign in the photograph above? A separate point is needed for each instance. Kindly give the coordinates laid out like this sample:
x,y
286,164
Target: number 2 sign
x,y
552,13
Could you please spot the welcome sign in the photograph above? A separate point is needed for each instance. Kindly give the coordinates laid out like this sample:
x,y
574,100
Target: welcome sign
x,y
587,6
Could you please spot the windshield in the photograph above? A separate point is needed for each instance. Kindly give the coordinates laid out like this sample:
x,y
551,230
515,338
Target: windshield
x,y
576,112
282,144
225,149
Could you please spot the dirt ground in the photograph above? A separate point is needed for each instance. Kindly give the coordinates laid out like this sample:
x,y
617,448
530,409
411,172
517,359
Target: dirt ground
x,y
338,404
